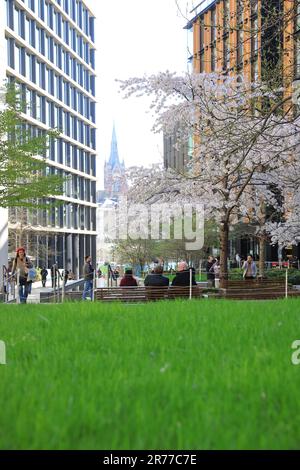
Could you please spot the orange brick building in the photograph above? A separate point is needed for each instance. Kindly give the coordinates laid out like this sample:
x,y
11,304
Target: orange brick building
x,y
250,37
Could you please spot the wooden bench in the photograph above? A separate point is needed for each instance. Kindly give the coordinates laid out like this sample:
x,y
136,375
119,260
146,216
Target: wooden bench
x,y
257,289
146,294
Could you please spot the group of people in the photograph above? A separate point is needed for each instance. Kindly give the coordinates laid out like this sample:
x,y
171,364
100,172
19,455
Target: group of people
x,y
56,276
27,274
157,279
213,269
183,277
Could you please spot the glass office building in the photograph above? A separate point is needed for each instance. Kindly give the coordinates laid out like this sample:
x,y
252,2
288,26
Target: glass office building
x,y
50,48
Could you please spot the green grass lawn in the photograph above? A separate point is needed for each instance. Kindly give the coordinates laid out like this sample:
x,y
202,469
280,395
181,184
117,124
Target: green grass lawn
x,y
176,375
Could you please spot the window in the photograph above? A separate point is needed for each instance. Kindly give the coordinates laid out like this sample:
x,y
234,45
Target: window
x,y
92,58
38,39
254,36
239,11
66,93
73,9
67,63
79,13
226,18
254,71
91,29
10,14
48,113
202,27
226,53
17,22
86,21
240,47
10,52
27,30
213,25
65,27
297,56
86,77
202,64
213,58
46,45
66,5
38,73
92,85
86,50
40,9
38,108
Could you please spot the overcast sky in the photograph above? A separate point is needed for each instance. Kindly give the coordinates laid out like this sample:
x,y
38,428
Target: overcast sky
x,y
134,37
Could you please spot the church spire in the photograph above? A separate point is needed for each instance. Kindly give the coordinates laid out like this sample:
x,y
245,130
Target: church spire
x,y
114,154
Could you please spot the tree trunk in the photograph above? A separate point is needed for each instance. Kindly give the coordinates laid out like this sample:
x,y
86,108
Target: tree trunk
x,y
224,235
262,256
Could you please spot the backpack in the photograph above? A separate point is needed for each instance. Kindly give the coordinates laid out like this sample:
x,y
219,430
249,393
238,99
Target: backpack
x,y
32,275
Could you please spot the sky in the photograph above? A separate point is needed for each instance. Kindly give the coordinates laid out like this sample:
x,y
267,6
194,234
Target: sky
x,y
133,38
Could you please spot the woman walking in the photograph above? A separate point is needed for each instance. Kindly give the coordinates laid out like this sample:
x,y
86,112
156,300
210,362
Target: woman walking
x,y
22,264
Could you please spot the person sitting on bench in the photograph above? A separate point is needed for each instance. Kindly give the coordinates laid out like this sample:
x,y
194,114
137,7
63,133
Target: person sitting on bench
x,y
128,280
182,277
156,278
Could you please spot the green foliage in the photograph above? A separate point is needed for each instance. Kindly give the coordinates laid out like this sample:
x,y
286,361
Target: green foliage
x,y
208,374
24,176
293,274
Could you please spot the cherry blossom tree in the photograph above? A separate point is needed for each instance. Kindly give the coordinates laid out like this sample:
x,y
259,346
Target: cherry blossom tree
x,y
244,138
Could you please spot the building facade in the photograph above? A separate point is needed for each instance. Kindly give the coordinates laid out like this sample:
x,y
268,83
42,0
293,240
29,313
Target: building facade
x,y
115,187
176,157
115,182
250,37
49,47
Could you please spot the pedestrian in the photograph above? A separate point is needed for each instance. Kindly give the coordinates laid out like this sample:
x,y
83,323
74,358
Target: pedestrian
x,y
54,275
238,260
66,277
99,273
210,275
215,270
44,275
116,274
157,278
22,264
128,280
88,273
182,276
249,268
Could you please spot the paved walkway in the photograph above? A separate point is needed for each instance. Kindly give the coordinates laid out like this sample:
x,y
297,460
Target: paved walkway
x,y
37,289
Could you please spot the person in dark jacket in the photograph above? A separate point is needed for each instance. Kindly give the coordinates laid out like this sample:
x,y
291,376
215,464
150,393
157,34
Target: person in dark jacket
x,y
182,277
55,274
157,278
44,274
66,276
88,274
128,280
210,274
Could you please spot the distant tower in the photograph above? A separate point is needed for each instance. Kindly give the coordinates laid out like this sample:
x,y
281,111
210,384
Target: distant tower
x,y
115,183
